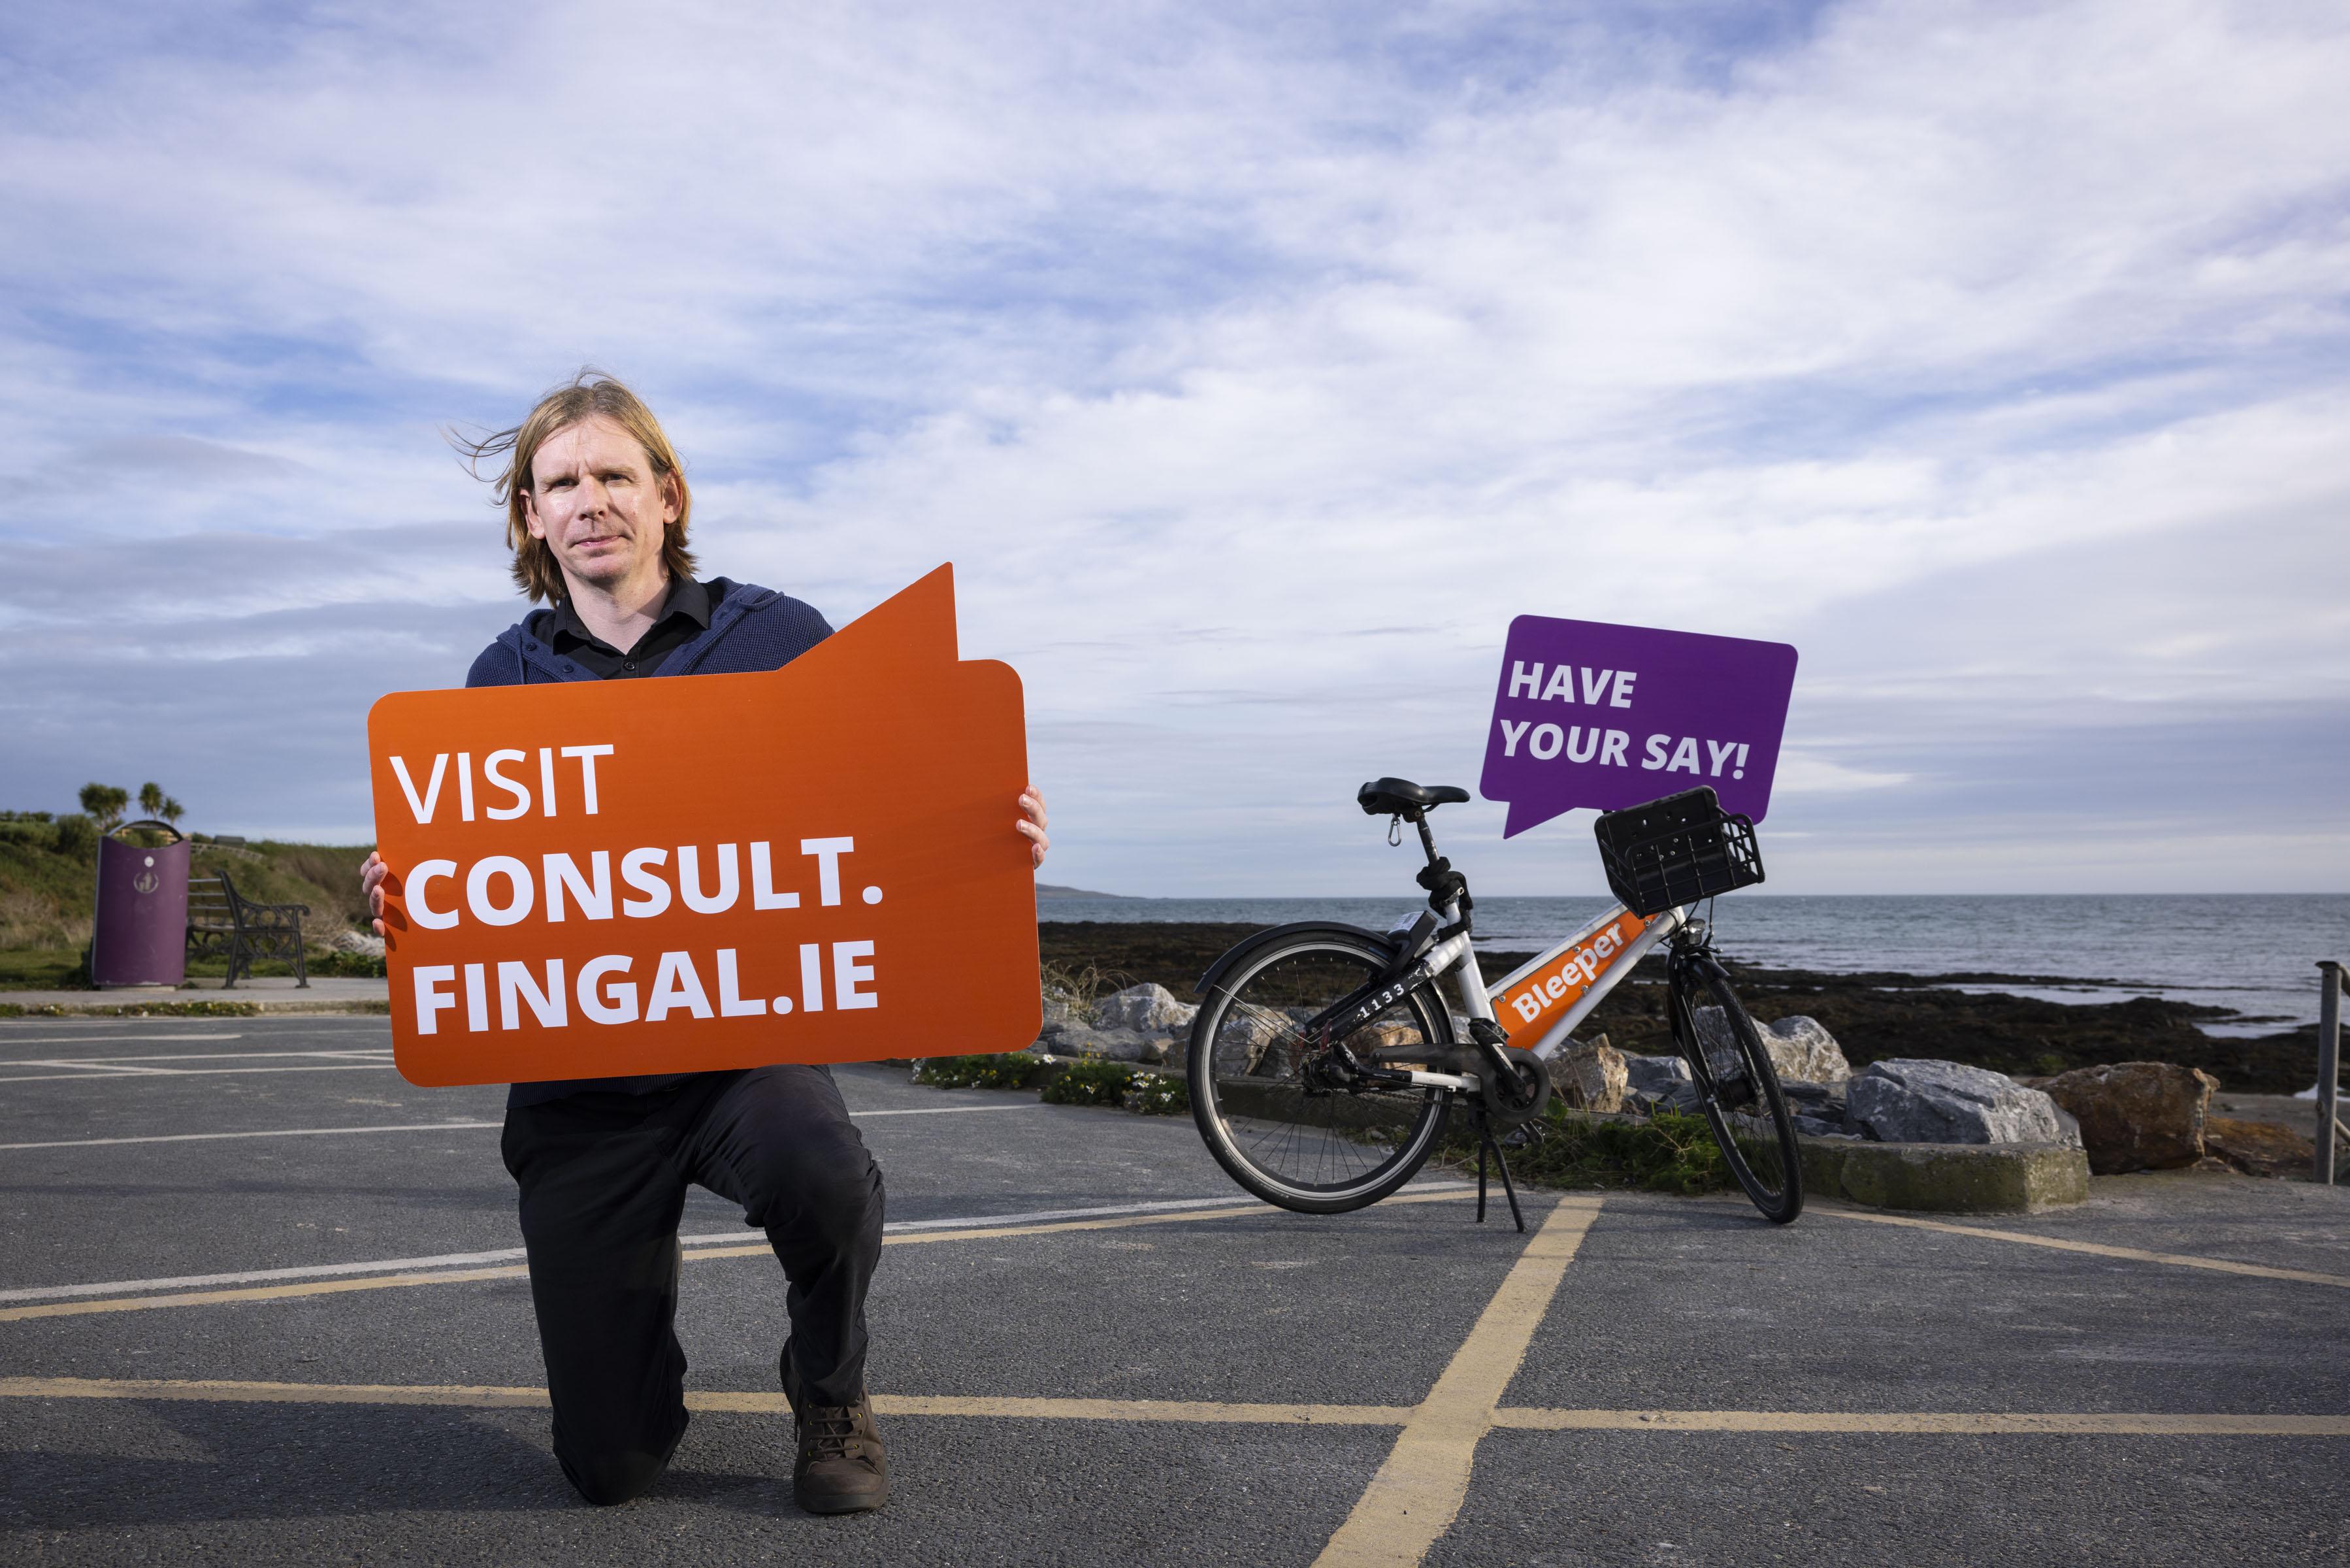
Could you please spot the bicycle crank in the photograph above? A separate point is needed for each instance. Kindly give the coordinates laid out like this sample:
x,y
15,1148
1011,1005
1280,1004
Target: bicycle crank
x,y
1521,1096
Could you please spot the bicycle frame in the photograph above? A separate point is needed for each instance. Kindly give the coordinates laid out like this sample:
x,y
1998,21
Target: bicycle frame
x,y
1541,1002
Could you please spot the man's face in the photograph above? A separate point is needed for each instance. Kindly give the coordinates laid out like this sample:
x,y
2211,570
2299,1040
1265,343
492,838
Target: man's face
x,y
596,501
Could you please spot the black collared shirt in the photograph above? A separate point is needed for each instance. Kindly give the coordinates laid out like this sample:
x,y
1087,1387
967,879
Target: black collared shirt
x,y
684,617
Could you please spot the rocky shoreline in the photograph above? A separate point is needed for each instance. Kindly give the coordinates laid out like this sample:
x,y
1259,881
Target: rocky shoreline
x,y
1874,1017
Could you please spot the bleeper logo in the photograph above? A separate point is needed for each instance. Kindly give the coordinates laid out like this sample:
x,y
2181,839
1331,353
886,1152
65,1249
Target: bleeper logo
x,y
817,864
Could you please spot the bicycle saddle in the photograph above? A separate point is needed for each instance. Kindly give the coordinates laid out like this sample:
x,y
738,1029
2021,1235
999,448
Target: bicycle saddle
x,y
1401,797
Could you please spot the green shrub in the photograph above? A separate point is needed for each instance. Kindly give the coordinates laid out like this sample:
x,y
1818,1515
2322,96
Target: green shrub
x,y
77,836
1090,1081
1010,1070
339,965
1157,1095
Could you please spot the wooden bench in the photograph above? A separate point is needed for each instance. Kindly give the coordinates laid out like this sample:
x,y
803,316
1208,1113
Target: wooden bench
x,y
223,920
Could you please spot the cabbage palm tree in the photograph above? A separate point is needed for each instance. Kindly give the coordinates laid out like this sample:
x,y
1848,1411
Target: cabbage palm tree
x,y
105,802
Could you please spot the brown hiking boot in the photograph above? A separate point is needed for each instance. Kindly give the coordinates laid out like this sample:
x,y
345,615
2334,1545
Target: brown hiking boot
x,y
842,1467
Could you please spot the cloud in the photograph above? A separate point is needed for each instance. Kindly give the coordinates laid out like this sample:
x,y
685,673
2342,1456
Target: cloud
x,y
1254,371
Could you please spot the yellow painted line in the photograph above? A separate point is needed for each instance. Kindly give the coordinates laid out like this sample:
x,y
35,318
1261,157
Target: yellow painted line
x,y
468,1395
471,1397
2000,1423
2094,1248
1418,1493
1985,1423
517,1271
1209,1411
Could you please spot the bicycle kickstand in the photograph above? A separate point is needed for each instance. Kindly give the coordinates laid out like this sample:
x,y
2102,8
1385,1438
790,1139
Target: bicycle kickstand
x,y
1485,1144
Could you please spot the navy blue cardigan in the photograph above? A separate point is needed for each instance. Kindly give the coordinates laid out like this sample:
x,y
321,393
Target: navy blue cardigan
x,y
751,628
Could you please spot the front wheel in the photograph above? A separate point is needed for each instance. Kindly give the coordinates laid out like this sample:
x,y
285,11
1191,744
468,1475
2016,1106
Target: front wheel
x,y
1737,1087
1266,1098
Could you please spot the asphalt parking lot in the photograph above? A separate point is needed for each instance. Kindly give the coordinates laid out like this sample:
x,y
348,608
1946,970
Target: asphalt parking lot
x,y
261,1301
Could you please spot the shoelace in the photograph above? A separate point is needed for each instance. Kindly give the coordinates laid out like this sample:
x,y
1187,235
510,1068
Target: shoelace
x,y
830,1431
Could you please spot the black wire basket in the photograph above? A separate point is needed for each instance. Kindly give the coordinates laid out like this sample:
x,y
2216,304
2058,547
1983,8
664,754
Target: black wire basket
x,y
1676,851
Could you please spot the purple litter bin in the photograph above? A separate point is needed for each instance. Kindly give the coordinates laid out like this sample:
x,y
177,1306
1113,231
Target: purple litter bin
x,y
141,928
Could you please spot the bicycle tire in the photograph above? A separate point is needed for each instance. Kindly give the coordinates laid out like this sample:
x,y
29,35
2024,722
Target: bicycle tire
x,y
1762,1154
1262,1122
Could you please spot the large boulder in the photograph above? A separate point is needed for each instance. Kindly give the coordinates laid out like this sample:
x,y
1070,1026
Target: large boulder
x,y
1060,1039
1590,1075
1657,1082
1145,1009
1246,1042
1909,1101
2258,1148
1817,1108
1801,1048
1654,1075
2136,1116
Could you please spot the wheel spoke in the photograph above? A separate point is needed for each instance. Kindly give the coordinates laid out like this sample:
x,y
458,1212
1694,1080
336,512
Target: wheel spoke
x,y
1737,1087
1278,1111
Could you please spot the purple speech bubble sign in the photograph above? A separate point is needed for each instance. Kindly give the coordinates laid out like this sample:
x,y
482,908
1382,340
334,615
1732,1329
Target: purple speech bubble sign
x,y
1586,713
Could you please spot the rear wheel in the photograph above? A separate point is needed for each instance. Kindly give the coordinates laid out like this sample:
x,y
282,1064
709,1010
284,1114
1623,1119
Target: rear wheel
x,y
1737,1087
1267,1101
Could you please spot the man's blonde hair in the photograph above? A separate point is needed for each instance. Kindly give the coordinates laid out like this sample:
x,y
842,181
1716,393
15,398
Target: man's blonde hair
x,y
589,395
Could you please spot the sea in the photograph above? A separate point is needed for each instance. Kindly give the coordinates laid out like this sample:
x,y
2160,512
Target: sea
x,y
2253,953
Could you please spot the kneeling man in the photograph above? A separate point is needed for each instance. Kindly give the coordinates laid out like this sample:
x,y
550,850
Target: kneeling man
x,y
597,509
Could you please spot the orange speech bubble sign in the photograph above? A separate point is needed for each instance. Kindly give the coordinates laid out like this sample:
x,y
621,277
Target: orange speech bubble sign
x,y
815,864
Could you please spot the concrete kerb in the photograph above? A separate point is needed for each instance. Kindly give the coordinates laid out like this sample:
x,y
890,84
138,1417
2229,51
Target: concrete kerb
x,y
253,999
1925,1178
1946,1177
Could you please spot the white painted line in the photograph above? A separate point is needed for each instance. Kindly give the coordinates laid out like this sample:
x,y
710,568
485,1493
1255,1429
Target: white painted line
x,y
93,1070
117,1075
257,1276
197,1056
412,1127
1037,1216
7,1039
508,1255
274,1132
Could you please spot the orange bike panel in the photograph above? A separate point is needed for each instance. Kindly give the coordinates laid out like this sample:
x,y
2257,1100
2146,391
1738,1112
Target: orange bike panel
x,y
814,864
1529,1005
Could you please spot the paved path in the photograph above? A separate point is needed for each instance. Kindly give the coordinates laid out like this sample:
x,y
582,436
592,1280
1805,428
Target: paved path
x,y
260,1299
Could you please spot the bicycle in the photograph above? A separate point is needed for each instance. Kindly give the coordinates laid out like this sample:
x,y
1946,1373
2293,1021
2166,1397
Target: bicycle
x,y
1324,1061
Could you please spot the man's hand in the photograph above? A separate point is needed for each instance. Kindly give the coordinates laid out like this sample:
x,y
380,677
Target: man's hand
x,y
372,871
1032,802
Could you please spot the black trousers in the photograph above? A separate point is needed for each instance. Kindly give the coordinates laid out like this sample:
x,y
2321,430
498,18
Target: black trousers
x,y
603,1178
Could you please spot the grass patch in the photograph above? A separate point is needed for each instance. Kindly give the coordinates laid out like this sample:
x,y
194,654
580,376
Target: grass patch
x,y
1009,1070
1090,1081
42,969
1157,1095
48,876
1668,1153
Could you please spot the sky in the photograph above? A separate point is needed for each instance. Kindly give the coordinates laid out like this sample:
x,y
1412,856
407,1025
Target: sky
x,y
1254,366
